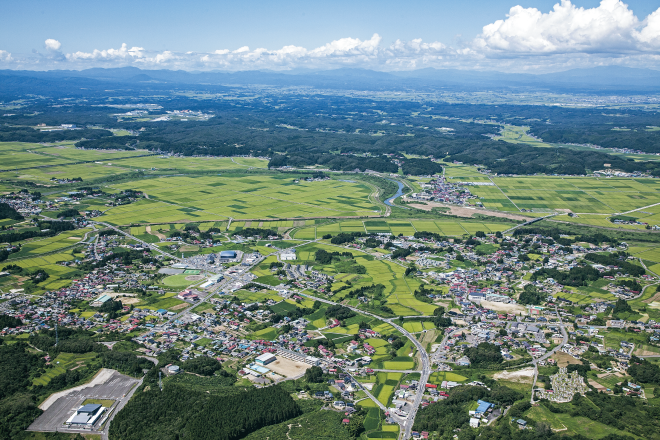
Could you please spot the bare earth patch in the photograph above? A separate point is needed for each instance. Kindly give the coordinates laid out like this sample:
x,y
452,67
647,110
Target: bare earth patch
x,y
128,301
461,211
640,352
526,375
180,306
563,359
195,277
157,234
287,367
596,385
501,307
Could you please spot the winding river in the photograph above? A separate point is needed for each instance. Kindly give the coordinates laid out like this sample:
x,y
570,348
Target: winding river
x,y
389,201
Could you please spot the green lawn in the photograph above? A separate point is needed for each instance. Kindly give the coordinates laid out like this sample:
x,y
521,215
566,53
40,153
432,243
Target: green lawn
x,y
63,362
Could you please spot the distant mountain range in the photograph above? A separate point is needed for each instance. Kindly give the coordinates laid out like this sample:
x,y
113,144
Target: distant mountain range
x,y
605,80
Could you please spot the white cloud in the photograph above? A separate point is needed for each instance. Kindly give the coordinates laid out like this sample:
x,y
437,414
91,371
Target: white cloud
x,y
348,46
123,53
164,57
526,39
650,33
609,28
52,44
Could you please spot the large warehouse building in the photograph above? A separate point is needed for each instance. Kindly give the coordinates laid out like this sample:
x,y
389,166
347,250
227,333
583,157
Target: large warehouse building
x,y
86,416
265,359
227,255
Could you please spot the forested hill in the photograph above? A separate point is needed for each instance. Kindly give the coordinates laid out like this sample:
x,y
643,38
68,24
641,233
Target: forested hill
x,y
347,133
179,412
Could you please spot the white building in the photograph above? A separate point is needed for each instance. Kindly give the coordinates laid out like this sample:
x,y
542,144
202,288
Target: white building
x,y
289,254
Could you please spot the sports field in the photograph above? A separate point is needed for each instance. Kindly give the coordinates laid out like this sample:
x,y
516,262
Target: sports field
x,y
254,197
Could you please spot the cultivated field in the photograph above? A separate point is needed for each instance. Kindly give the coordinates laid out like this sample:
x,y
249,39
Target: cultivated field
x,y
578,194
447,227
252,197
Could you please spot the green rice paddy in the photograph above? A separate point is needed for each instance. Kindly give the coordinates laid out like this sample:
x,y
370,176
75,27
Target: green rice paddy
x,y
183,199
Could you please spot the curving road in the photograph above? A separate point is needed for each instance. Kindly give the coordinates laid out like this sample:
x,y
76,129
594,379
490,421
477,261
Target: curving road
x,y
407,423
548,354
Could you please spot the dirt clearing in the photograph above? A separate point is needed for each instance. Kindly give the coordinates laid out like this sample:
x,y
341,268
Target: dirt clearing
x,y
287,367
461,211
526,375
501,307
563,359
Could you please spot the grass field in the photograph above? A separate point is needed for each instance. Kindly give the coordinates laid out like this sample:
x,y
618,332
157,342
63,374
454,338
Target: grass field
x,y
572,425
205,198
50,244
166,301
177,281
63,362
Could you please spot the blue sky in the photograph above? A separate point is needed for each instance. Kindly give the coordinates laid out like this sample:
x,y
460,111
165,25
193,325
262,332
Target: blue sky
x,y
385,35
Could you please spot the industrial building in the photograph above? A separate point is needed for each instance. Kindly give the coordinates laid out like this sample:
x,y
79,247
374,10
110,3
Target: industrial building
x,y
227,255
265,359
289,254
86,416
98,302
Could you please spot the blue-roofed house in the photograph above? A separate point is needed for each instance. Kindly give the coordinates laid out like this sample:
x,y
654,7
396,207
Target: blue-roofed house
x,y
483,407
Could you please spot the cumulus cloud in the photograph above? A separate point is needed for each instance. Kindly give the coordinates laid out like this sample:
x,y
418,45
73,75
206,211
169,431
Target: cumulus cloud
x,y
52,44
525,39
349,46
650,32
609,28
123,53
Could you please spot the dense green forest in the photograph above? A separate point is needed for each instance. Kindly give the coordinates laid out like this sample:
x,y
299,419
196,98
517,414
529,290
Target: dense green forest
x,y
7,211
181,413
345,133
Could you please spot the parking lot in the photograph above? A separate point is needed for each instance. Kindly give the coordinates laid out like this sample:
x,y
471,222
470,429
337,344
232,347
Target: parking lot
x,y
107,385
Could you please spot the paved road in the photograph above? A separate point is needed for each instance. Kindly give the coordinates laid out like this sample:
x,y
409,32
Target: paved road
x,y
229,278
548,354
117,387
120,405
529,222
407,424
144,243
